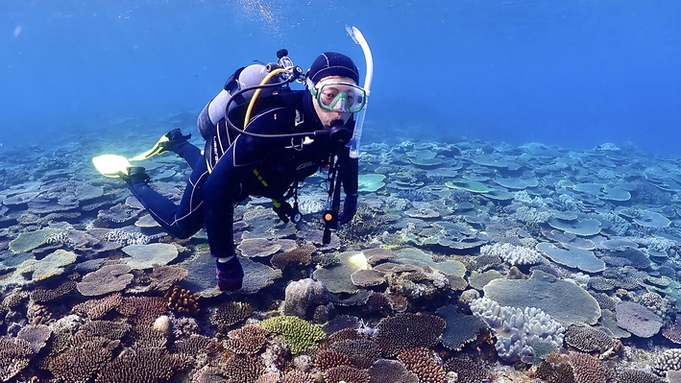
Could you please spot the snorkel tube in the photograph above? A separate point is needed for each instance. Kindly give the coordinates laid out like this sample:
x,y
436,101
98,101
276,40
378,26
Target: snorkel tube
x,y
358,38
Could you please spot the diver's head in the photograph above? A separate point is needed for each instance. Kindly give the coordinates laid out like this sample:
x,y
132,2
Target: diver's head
x,y
333,82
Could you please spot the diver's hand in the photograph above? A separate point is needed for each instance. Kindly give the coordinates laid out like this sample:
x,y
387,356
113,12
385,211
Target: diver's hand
x,y
349,209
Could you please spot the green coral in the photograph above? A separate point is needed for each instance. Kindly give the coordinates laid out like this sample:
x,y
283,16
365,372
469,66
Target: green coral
x,y
31,240
298,333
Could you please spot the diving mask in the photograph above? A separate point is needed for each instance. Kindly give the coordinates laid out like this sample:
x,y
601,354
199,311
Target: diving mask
x,y
338,96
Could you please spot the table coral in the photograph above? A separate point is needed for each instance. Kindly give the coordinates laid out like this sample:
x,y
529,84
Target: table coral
x,y
44,295
229,314
246,340
146,256
637,376
637,319
588,339
346,374
79,363
468,368
421,362
385,370
97,308
361,352
299,334
461,329
406,330
142,365
301,256
105,280
35,335
546,292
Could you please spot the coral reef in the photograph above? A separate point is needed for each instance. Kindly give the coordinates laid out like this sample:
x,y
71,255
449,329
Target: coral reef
x,y
299,334
637,319
246,340
182,301
512,254
405,330
229,314
421,362
518,330
302,297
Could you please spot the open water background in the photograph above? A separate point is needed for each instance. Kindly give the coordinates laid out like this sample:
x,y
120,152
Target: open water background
x,y
573,73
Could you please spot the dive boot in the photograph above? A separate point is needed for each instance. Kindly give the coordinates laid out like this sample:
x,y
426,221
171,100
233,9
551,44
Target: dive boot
x,y
229,275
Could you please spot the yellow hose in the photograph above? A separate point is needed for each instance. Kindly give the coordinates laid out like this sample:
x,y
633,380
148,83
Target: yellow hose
x,y
257,93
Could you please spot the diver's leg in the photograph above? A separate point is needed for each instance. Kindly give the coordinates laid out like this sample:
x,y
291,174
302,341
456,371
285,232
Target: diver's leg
x,y
181,221
177,143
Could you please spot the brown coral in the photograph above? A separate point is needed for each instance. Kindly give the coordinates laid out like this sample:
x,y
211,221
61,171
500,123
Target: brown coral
x,y
296,376
327,359
301,256
420,361
575,367
43,295
385,370
361,352
637,376
142,310
344,334
673,332
588,339
346,374
467,368
402,331
98,308
79,363
142,365
588,369
106,329
229,314
246,340
243,368
182,301
15,355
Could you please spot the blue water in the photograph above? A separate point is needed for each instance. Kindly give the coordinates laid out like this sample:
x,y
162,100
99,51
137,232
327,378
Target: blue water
x,y
571,73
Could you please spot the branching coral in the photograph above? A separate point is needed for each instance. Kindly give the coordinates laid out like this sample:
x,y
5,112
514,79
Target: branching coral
x,y
299,334
518,330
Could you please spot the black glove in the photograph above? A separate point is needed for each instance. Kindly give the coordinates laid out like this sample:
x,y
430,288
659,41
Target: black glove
x,y
175,138
286,212
349,209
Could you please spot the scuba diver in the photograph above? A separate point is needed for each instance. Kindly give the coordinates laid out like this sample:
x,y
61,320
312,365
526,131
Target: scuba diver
x,y
262,140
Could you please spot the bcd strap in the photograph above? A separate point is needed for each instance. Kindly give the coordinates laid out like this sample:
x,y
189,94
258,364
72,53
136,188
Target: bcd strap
x,y
333,204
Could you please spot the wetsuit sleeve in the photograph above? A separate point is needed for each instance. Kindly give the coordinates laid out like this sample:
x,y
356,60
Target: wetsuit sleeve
x,y
222,190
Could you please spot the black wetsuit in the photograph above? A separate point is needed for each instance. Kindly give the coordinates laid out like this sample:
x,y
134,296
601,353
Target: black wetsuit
x,y
238,165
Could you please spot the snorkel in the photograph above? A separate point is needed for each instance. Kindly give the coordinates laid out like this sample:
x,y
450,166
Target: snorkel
x,y
358,38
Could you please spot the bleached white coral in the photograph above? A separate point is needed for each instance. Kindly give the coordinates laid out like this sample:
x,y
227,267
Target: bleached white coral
x,y
512,254
524,197
529,214
518,329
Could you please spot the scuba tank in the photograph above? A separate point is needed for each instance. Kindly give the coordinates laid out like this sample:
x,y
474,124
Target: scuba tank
x,y
250,76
